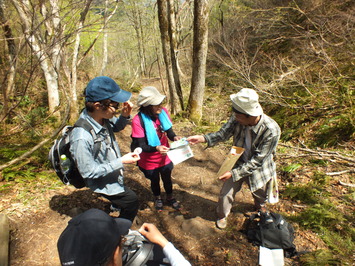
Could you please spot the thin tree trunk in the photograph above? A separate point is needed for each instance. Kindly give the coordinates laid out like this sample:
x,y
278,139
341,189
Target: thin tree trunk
x,y
200,45
174,64
105,44
163,25
143,59
8,81
74,111
49,58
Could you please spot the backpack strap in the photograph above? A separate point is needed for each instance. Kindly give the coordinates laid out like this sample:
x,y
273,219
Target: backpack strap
x,y
88,127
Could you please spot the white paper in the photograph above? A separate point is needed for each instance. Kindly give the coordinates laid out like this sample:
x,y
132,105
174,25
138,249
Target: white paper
x,y
273,191
180,154
271,257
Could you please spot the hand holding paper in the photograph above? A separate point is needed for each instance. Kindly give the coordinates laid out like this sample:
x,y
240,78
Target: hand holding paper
x,y
229,162
225,176
180,151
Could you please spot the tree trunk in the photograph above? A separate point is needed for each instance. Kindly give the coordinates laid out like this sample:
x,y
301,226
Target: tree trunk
x,y
173,46
200,45
104,44
165,40
47,54
134,12
9,75
74,107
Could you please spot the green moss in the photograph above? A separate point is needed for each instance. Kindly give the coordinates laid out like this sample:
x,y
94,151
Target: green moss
x,y
319,258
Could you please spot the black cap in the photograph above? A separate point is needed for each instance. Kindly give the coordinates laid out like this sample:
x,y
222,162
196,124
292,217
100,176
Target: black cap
x,y
91,238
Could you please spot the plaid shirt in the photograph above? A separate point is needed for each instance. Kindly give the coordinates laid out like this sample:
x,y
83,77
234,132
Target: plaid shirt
x,y
260,166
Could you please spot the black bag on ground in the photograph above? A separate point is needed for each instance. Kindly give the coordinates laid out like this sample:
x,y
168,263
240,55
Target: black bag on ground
x,y
138,251
271,230
61,159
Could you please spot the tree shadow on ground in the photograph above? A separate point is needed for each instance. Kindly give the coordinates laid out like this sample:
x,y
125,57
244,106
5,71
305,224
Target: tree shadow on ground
x,y
78,201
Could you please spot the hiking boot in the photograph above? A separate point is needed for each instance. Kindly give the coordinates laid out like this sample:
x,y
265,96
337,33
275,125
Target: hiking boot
x,y
221,223
159,204
173,202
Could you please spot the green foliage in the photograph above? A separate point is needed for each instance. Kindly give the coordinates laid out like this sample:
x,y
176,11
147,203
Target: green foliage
x,y
324,217
10,152
310,193
318,162
321,179
29,183
307,193
291,168
319,258
321,215
335,130
331,225
20,176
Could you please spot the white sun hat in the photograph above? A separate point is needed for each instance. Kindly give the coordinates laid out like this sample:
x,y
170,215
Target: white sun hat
x,y
247,101
149,96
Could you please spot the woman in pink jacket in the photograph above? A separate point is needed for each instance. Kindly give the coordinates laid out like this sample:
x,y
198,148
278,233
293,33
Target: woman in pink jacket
x,y
151,130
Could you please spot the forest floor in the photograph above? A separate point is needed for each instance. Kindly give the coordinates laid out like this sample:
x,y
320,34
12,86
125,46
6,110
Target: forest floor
x,y
38,216
37,221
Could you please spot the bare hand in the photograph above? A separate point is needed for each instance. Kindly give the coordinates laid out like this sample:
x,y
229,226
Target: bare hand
x,y
176,138
196,139
127,108
162,149
151,232
130,158
225,176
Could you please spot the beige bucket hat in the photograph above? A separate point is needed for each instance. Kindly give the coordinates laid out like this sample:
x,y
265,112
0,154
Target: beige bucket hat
x,y
247,102
149,96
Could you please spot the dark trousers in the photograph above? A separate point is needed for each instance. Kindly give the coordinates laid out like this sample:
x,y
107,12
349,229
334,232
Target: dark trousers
x,y
127,201
154,177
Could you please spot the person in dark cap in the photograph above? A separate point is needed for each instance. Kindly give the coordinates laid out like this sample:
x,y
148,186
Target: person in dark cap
x,y
103,172
94,238
258,134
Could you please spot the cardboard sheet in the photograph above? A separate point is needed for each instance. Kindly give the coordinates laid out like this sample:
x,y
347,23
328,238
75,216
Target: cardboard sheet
x,y
231,159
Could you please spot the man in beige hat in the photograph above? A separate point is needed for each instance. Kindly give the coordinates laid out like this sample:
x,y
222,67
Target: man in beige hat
x,y
258,134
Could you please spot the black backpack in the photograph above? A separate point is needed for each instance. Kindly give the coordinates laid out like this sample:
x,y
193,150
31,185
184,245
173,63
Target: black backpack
x,y
271,230
61,147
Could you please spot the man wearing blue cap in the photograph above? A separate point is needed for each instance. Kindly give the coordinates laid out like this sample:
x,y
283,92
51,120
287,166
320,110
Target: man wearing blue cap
x,y
103,172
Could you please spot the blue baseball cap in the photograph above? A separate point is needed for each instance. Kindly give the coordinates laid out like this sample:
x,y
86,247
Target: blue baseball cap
x,y
102,88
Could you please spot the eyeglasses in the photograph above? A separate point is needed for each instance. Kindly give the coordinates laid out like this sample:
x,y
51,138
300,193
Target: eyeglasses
x,y
114,106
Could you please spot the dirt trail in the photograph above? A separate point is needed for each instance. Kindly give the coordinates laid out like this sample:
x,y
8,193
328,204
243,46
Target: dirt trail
x,y
37,222
35,227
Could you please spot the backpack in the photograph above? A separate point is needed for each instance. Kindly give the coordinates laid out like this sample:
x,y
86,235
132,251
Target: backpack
x,y
138,251
67,171
271,230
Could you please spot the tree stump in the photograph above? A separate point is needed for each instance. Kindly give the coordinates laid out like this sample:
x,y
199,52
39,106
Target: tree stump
x,y
4,240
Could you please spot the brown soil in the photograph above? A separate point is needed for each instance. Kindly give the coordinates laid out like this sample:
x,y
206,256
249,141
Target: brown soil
x,y
37,221
36,226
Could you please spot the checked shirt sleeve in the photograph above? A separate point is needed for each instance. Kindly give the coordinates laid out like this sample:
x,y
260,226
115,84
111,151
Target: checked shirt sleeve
x,y
225,133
